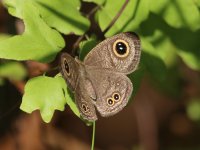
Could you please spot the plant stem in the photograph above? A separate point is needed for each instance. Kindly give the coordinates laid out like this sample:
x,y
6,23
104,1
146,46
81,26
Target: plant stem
x,y
93,135
92,11
76,44
116,17
104,32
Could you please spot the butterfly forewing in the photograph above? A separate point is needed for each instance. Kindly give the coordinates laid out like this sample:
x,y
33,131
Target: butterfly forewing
x,y
120,53
69,70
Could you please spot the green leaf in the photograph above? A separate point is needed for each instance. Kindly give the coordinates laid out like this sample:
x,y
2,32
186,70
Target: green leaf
x,y
68,96
136,78
197,2
171,41
4,36
159,61
193,109
1,81
161,46
39,42
46,94
86,46
63,15
12,70
134,13
178,13
188,46
99,2
152,61
190,59
70,102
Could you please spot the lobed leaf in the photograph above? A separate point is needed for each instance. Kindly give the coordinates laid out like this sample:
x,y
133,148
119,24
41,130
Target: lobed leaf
x,y
177,13
39,42
162,47
197,2
4,36
170,42
134,13
86,46
63,15
152,61
46,94
190,59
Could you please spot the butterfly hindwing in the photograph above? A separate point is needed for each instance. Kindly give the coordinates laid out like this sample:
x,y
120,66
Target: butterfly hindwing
x,y
83,99
113,91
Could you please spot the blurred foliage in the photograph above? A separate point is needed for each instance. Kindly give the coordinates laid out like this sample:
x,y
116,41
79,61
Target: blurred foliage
x,y
169,31
8,67
193,109
12,70
177,13
134,13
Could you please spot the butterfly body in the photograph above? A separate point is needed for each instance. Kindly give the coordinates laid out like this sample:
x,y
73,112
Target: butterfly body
x,y
100,81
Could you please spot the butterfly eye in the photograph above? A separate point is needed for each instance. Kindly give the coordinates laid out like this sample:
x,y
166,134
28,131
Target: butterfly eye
x,y
121,48
110,101
66,65
116,96
85,108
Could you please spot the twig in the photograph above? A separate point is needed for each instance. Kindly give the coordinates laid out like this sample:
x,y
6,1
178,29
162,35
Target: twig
x,y
93,11
76,44
104,32
116,17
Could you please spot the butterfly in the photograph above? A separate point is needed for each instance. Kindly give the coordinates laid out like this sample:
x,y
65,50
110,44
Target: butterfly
x,y
100,82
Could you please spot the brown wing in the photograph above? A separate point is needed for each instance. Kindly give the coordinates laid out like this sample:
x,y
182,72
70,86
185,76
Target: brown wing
x,y
120,53
69,70
84,100
112,90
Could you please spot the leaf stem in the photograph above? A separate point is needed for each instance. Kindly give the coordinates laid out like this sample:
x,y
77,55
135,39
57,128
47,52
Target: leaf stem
x,y
93,135
116,17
